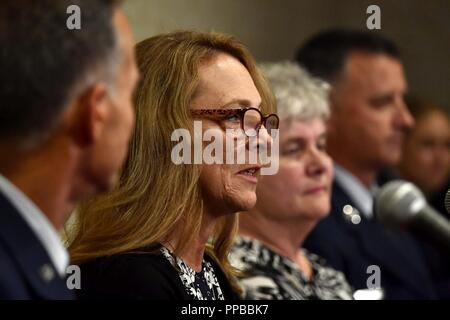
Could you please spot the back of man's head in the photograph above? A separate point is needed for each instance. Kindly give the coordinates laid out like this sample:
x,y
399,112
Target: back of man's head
x,y
325,54
44,64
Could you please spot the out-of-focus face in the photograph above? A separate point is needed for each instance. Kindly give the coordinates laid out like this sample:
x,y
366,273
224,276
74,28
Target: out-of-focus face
x,y
112,144
226,84
426,152
369,117
302,187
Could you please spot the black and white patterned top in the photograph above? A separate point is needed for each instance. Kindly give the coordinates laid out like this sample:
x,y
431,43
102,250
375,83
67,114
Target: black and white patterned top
x,y
201,285
270,276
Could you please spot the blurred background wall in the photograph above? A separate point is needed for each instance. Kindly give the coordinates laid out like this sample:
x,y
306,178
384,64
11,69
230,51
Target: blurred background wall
x,y
273,29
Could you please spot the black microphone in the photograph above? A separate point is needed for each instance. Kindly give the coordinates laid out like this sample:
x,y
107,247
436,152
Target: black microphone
x,y
400,204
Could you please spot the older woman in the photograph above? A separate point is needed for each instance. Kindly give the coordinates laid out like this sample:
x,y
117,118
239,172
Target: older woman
x,y
290,203
148,238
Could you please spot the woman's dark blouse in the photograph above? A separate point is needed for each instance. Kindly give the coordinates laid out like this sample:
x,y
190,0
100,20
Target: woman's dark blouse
x,y
152,276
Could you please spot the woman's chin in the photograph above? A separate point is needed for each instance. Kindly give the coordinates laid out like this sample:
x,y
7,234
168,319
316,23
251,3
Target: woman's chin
x,y
245,201
321,212
315,212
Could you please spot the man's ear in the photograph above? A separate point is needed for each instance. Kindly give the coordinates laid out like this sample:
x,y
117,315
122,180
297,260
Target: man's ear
x,y
89,114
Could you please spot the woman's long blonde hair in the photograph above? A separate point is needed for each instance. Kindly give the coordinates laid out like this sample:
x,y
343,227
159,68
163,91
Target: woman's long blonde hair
x,y
154,196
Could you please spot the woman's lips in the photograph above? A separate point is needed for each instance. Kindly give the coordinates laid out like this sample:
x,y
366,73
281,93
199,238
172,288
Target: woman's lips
x,y
316,190
250,174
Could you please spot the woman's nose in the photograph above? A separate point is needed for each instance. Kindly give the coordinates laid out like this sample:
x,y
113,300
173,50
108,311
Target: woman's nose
x,y
315,162
264,137
260,147
261,141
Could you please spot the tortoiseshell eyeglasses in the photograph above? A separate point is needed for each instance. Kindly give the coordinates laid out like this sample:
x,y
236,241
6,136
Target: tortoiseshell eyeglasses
x,y
250,119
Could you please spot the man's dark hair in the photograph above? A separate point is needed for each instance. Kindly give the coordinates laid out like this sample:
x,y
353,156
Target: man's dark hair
x,y
325,54
43,64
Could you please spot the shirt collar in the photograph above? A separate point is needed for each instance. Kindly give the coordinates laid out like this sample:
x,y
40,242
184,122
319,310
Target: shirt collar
x,y
360,195
38,223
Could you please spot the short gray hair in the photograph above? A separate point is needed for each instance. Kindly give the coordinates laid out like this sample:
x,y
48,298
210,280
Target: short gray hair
x,y
298,95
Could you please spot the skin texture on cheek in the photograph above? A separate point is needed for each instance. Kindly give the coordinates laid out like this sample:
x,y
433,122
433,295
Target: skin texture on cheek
x,y
220,185
220,182
277,194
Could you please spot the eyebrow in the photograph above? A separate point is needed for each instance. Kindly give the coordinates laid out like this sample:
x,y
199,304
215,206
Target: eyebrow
x,y
241,102
302,139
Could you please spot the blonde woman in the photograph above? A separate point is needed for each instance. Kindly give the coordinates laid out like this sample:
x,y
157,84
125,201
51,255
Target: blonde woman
x,y
290,203
148,238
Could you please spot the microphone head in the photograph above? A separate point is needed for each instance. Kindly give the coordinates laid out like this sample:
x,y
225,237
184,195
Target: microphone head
x,y
397,203
447,201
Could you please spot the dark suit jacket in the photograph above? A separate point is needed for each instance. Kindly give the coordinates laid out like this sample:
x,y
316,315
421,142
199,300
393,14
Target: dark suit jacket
x,y
25,267
139,276
351,248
